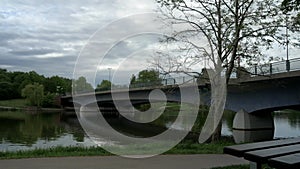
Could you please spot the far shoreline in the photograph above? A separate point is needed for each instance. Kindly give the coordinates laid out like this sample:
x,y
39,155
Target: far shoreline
x,y
21,105
29,108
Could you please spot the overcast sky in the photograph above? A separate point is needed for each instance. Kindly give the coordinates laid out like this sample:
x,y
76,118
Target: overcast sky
x,y
47,36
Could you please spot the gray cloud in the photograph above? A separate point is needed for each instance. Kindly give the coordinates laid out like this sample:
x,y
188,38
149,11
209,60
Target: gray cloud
x,y
47,36
31,52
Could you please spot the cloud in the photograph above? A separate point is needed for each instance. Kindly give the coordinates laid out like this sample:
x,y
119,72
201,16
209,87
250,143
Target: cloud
x,y
47,36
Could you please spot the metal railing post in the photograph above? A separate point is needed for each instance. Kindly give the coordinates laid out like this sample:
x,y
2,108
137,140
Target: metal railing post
x,y
255,69
271,69
288,66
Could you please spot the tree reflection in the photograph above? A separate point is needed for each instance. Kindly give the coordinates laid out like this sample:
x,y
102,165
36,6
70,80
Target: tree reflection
x,y
26,128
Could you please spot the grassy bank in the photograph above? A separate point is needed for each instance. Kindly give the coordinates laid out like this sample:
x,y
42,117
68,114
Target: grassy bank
x,y
234,167
196,148
182,148
241,167
17,103
22,104
55,152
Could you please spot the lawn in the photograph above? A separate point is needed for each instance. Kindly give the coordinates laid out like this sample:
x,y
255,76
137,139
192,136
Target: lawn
x,y
182,148
15,103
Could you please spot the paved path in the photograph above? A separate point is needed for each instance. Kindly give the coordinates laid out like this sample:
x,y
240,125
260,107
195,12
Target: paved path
x,y
114,162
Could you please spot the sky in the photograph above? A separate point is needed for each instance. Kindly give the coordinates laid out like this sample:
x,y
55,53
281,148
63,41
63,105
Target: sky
x,y
56,37
47,36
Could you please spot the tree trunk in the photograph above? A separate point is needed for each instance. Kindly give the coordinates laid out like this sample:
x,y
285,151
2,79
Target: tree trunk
x,y
216,136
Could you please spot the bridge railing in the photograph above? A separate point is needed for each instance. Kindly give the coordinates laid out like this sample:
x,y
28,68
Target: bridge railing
x,y
179,80
275,67
255,70
166,82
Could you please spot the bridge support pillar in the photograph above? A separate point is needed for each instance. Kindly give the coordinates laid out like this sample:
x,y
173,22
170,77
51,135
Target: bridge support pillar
x,y
253,127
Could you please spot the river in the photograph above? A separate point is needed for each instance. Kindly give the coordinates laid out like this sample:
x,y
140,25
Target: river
x,y
25,130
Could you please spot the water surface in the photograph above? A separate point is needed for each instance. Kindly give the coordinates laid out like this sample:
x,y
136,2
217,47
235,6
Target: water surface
x,y
23,130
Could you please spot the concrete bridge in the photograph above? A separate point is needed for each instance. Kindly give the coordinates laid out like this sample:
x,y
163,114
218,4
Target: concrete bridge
x,y
254,96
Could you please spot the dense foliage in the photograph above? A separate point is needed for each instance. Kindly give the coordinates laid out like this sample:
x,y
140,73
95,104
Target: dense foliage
x,y
146,78
34,93
12,83
104,85
81,85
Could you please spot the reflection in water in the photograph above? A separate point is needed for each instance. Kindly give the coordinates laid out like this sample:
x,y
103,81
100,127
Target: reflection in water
x,y
252,136
287,124
19,130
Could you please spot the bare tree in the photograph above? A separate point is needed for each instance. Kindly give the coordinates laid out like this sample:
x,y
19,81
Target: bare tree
x,y
233,29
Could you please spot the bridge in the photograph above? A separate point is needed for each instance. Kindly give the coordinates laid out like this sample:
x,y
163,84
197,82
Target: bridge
x,y
253,93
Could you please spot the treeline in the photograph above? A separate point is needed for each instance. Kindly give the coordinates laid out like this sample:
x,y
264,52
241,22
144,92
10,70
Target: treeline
x,y
145,78
12,83
41,91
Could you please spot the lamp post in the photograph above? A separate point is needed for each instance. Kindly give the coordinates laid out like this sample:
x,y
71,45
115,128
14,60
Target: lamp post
x,y
287,44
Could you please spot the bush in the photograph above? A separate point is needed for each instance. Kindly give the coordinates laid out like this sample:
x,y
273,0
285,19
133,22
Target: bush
x,y
49,100
34,93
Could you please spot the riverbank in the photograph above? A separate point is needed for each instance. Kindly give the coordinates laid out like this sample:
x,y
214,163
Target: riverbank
x,y
213,161
14,103
185,147
21,105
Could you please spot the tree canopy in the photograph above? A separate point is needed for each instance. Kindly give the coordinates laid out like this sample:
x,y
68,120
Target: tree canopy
x,y
104,85
34,93
234,29
12,83
146,78
81,85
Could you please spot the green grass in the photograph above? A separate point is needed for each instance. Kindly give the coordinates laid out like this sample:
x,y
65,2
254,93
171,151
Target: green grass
x,y
16,103
241,167
55,152
234,167
182,148
196,148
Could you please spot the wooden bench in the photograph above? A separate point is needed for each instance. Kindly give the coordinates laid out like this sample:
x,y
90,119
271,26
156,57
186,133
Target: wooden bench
x,y
286,162
280,154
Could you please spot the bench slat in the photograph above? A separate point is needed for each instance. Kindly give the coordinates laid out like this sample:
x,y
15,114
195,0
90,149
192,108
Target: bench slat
x,y
239,150
262,156
286,162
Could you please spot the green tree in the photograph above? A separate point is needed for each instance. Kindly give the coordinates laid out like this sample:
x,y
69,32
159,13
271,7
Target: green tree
x,y
12,83
49,100
6,90
132,80
35,77
6,87
81,85
56,84
34,93
20,80
104,85
146,78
